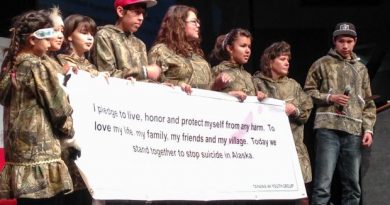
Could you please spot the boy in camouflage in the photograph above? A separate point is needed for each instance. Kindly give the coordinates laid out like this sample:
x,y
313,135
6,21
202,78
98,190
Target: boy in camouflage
x,y
339,85
117,50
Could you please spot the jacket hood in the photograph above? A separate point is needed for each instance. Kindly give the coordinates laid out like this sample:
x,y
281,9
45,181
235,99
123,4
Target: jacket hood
x,y
333,53
113,28
232,65
260,75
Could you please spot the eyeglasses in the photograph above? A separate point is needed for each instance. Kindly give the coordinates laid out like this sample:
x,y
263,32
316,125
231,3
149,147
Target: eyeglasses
x,y
194,21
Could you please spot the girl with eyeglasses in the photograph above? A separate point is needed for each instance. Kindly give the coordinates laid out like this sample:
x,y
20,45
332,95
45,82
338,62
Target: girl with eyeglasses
x,y
177,50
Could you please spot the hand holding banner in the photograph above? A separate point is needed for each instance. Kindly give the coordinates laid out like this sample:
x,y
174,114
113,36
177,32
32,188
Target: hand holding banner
x,y
145,141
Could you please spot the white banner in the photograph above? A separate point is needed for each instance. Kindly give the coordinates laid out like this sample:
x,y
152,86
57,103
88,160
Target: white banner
x,y
146,141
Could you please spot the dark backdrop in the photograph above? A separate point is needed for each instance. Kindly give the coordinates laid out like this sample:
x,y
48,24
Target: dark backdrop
x,y
306,24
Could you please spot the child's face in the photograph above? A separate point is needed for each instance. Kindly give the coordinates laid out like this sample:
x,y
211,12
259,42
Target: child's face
x,y
280,66
40,46
58,39
240,50
82,40
132,19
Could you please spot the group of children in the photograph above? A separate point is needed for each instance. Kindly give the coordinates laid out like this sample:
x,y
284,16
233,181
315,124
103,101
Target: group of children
x,y
38,127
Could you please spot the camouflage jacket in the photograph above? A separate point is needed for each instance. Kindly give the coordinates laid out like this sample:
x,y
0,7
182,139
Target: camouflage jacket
x,y
82,63
331,74
289,90
241,79
39,115
5,88
51,62
119,53
193,70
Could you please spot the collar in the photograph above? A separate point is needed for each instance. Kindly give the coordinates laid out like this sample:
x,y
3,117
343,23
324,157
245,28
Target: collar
x,y
260,75
332,52
232,65
118,30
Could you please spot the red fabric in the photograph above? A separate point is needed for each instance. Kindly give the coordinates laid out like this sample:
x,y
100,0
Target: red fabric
x,y
7,202
2,160
4,202
122,3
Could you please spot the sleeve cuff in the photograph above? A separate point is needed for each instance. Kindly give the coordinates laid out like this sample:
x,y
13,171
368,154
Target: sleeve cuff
x,y
327,99
369,131
297,112
145,72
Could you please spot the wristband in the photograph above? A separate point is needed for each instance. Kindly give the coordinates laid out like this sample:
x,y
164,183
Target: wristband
x,y
145,71
328,99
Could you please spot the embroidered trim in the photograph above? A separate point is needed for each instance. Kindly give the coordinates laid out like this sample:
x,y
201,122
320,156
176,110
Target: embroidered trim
x,y
34,163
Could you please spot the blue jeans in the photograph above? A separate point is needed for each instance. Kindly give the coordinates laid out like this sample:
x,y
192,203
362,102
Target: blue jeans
x,y
344,150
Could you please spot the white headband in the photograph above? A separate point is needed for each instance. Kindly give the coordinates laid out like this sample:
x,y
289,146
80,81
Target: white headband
x,y
225,40
44,33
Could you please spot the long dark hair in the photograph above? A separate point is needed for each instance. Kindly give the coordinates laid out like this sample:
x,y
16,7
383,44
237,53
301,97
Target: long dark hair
x,y
71,23
219,52
172,32
23,26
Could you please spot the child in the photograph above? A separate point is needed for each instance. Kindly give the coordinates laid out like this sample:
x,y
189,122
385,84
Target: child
x,y
58,25
39,116
230,53
78,33
117,50
79,38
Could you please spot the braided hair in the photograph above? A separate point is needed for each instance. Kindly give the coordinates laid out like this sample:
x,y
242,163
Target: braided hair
x,y
23,26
